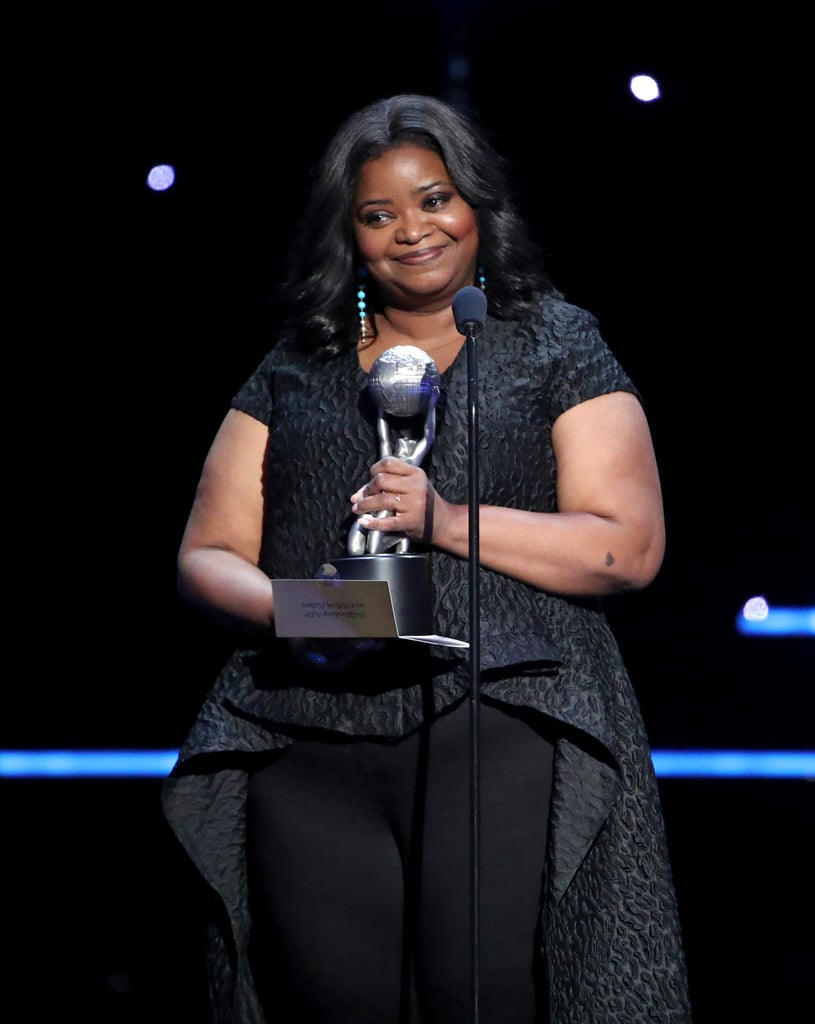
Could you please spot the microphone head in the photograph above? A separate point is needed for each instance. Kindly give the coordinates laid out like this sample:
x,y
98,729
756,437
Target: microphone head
x,y
404,381
469,308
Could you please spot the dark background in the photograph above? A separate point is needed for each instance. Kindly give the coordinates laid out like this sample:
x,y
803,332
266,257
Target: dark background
x,y
678,223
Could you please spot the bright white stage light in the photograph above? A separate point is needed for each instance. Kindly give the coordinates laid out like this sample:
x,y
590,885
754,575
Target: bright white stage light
x,y
161,177
644,88
756,609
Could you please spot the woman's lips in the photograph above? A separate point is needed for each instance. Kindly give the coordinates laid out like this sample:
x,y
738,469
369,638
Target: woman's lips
x,y
422,255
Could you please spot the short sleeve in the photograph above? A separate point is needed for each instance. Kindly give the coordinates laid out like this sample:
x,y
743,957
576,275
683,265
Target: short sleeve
x,y
583,365
255,396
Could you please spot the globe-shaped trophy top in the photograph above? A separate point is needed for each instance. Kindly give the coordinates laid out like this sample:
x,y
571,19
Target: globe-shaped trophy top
x,y
403,380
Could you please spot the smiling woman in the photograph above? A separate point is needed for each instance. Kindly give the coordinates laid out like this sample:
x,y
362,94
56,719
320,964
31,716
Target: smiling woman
x,y
417,238
327,804
412,244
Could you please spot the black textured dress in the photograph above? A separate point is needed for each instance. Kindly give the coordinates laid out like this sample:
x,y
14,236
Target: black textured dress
x,y
611,934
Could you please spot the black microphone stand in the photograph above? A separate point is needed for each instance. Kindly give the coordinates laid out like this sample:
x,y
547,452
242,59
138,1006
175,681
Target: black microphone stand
x,y
475,660
470,312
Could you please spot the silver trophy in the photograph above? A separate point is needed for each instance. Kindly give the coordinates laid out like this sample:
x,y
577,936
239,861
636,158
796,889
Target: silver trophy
x,y
405,385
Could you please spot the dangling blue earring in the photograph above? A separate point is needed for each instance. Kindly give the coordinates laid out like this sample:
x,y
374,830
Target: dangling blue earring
x,y
365,335
482,281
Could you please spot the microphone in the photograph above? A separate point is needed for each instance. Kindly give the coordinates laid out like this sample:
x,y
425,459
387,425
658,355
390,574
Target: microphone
x,y
469,310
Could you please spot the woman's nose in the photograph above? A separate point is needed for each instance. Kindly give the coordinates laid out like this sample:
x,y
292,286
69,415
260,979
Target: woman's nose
x,y
413,228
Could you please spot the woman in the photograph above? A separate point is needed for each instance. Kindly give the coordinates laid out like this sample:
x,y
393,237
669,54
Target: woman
x,y
329,811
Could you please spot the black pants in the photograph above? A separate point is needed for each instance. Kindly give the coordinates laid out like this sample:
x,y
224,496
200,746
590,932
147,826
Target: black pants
x,y
361,880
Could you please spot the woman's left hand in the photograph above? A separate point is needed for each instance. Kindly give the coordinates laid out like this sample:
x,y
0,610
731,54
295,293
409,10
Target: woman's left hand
x,y
401,491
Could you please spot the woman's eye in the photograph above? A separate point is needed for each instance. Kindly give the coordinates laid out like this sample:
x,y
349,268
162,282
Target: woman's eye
x,y
437,200
376,217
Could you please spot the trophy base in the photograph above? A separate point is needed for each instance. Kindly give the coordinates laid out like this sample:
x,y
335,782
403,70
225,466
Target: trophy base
x,y
410,585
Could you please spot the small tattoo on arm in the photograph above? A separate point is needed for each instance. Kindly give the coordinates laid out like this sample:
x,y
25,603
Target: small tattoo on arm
x,y
609,558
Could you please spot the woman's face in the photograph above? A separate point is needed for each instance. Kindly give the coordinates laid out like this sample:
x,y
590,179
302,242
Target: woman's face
x,y
415,234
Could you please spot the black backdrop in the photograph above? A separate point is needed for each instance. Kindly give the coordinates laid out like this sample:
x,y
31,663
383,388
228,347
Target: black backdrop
x,y
676,223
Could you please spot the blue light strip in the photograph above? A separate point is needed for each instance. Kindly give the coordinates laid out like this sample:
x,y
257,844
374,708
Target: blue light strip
x,y
776,621
688,764
84,764
735,764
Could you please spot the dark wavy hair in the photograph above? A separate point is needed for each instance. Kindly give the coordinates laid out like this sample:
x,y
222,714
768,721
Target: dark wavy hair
x,y
318,288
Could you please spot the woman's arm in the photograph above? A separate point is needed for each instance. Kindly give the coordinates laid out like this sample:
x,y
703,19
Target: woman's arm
x,y
218,557
607,536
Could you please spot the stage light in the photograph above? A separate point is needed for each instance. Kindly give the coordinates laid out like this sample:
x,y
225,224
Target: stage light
x,y
161,177
645,88
84,764
735,764
758,618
